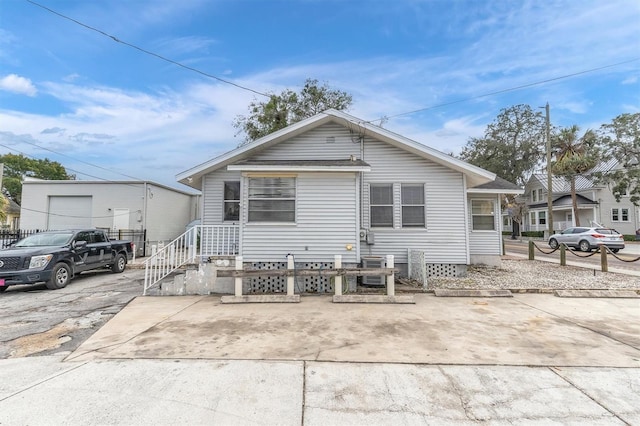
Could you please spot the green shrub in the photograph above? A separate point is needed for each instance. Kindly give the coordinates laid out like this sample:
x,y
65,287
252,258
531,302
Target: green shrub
x,y
533,234
629,237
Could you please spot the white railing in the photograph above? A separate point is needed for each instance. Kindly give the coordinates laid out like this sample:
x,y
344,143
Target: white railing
x,y
196,244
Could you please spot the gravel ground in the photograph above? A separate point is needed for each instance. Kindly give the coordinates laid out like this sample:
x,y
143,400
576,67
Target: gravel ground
x,y
526,274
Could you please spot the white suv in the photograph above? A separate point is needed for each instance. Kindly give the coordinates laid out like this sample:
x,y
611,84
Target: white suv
x,y
587,239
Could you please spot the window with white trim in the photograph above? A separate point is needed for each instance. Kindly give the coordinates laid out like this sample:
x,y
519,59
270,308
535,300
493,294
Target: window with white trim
x,y
412,205
532,218
542,218
536,195
272,199
619,215
231,203
482,215
381,205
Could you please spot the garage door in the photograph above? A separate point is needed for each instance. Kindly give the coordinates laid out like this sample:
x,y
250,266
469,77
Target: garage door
x,y
69,212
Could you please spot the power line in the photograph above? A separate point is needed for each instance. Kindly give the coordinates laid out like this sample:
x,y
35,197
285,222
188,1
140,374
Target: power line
x,y
75,159
67,168
148,52
511,89
78,217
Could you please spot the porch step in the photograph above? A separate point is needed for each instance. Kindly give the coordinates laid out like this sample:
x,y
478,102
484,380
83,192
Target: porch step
x,y
373,298
261,298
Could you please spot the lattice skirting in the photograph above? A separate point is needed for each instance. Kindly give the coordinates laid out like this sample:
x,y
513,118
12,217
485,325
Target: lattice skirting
x,y
306,284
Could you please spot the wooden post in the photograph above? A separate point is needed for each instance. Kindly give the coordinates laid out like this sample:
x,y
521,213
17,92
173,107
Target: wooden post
x,y
531,251
563,255
337,284
391,279
290,279
603,258
238,280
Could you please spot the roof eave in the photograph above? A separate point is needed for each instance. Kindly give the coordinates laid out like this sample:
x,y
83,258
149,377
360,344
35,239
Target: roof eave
x,y
495,191
267,168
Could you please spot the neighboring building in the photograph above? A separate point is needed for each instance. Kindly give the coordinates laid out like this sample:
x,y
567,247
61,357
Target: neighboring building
x,y
334,184
12,219
596,204
161,211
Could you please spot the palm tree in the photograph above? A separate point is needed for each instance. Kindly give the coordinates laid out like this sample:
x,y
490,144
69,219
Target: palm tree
x,y
574,156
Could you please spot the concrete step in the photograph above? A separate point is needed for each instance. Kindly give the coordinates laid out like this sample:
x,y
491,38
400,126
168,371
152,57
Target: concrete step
x,y
443,292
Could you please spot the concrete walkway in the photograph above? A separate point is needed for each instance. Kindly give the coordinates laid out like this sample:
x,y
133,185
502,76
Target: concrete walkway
x,y
192,360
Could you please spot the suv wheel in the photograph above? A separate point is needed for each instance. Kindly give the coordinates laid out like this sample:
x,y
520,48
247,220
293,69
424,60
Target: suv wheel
x,y
584,245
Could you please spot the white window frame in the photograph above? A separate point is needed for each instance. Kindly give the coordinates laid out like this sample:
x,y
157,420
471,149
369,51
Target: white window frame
x,y
620,214
403,205
386,205
542,217
260,182
226,201
533,217
492,214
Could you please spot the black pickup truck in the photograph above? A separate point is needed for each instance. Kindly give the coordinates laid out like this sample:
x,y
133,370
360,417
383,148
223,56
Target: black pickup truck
x,y
55,257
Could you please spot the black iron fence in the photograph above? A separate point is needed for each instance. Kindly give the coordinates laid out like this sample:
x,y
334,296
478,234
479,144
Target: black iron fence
x,y
137,237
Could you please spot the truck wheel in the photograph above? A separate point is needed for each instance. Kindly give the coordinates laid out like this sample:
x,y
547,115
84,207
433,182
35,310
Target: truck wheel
x,y
119,264
60,276
3,288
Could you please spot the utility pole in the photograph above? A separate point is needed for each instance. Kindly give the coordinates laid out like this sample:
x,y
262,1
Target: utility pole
x,y
549,176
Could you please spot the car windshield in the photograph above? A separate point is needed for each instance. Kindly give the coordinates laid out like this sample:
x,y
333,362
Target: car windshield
x,y
54,239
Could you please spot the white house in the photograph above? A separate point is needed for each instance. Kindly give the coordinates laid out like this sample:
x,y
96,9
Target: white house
x,y
334,184
144,207
596,203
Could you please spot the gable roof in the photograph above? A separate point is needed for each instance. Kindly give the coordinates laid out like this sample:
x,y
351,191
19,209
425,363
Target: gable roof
x,y
561,184
475,175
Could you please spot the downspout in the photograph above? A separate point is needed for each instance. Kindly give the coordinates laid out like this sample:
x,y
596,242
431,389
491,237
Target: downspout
x,y
361,202
466,219
144,207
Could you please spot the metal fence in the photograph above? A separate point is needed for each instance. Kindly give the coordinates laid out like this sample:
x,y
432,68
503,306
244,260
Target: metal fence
x,y
137,237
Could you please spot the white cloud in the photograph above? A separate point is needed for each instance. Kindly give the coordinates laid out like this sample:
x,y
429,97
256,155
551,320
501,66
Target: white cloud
x,y
16,84
630,80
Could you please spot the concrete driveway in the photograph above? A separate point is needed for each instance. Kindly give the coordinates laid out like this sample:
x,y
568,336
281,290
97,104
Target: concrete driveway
x,y
526,330
533,359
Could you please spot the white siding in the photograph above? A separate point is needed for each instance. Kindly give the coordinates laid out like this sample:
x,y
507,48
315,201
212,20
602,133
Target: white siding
x,y
608,202
313,145
486,242
327,209
213,195
444,238
325,222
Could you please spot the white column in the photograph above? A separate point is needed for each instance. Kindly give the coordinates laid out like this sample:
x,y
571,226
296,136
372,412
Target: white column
x,y
337,284
238,280
290,278
391,279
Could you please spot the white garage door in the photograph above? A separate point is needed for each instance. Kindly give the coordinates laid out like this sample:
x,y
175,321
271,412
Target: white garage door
x,y
67,212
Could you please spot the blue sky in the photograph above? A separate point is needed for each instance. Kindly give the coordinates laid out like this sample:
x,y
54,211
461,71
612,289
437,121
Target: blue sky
x,y
108,111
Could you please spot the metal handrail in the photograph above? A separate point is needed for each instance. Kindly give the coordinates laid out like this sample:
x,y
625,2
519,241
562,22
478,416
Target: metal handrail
x,y
193,246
